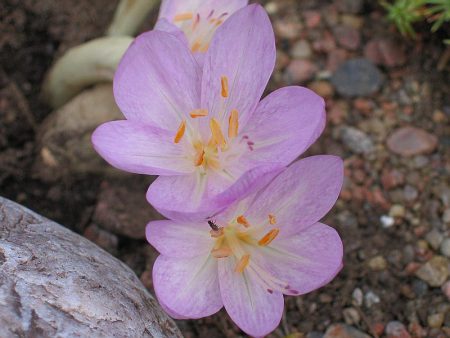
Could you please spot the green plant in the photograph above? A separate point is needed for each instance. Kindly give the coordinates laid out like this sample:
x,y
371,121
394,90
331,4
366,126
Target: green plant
x,y
404,13
438,12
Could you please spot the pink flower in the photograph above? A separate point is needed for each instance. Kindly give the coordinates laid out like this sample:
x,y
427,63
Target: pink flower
x,y
197,19
204,131
262,247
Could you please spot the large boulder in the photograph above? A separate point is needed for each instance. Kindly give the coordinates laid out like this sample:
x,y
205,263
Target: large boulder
x,y
55,283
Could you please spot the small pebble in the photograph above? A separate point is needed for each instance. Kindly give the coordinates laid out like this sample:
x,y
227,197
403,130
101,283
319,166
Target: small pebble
x,y
378,263
446,216
299,71
434,238
356,140
410,193
446,289
387,221
410,141
420,288
342,330
357,77
357,296
351,316
434,272
370,299
445,247
301,50
322,88
396,329
347,36
385,52
435,320
397,210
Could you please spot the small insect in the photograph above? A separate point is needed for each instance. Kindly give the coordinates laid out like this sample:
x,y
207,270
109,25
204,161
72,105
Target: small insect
x,y
213,225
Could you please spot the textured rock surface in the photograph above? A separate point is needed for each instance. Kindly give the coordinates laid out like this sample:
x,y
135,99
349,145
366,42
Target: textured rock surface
x,y
54,283
65,136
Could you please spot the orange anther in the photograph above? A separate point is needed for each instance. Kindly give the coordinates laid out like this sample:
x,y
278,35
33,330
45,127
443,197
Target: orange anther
x,y
272,219
199,158
224,84
243,221
269,237
233,124
180,131
242,264
217,134
198,113
183,17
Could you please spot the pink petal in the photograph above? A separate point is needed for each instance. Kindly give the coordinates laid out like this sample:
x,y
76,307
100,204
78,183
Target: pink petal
x,y
306,261
140,149
188,287
243,50
157,81
285,124
194,197
250,306
170,312
170,8
165,26
300,196
180,239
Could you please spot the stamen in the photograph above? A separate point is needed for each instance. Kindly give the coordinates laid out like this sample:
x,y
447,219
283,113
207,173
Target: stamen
x,y
242,264
183,17
224,83
221,252
272,219
217,134
233,124
180,132
269,237
243,221
198,113
218,23
200,158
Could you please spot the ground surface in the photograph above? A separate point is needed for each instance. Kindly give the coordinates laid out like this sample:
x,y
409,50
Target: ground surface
x,y
394,210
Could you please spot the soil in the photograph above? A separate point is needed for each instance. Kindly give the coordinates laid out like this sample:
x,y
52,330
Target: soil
x,y
394,210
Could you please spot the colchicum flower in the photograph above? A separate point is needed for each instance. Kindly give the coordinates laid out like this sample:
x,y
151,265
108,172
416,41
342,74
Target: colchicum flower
x,y
204,131
197,19
248,256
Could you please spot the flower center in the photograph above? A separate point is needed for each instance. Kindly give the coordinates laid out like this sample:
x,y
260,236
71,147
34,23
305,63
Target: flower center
x,y
237,238
199,30
210,145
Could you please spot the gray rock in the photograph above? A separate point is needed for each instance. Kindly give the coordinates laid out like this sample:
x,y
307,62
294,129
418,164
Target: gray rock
x,y
64,138
357,77
55,283
356,140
